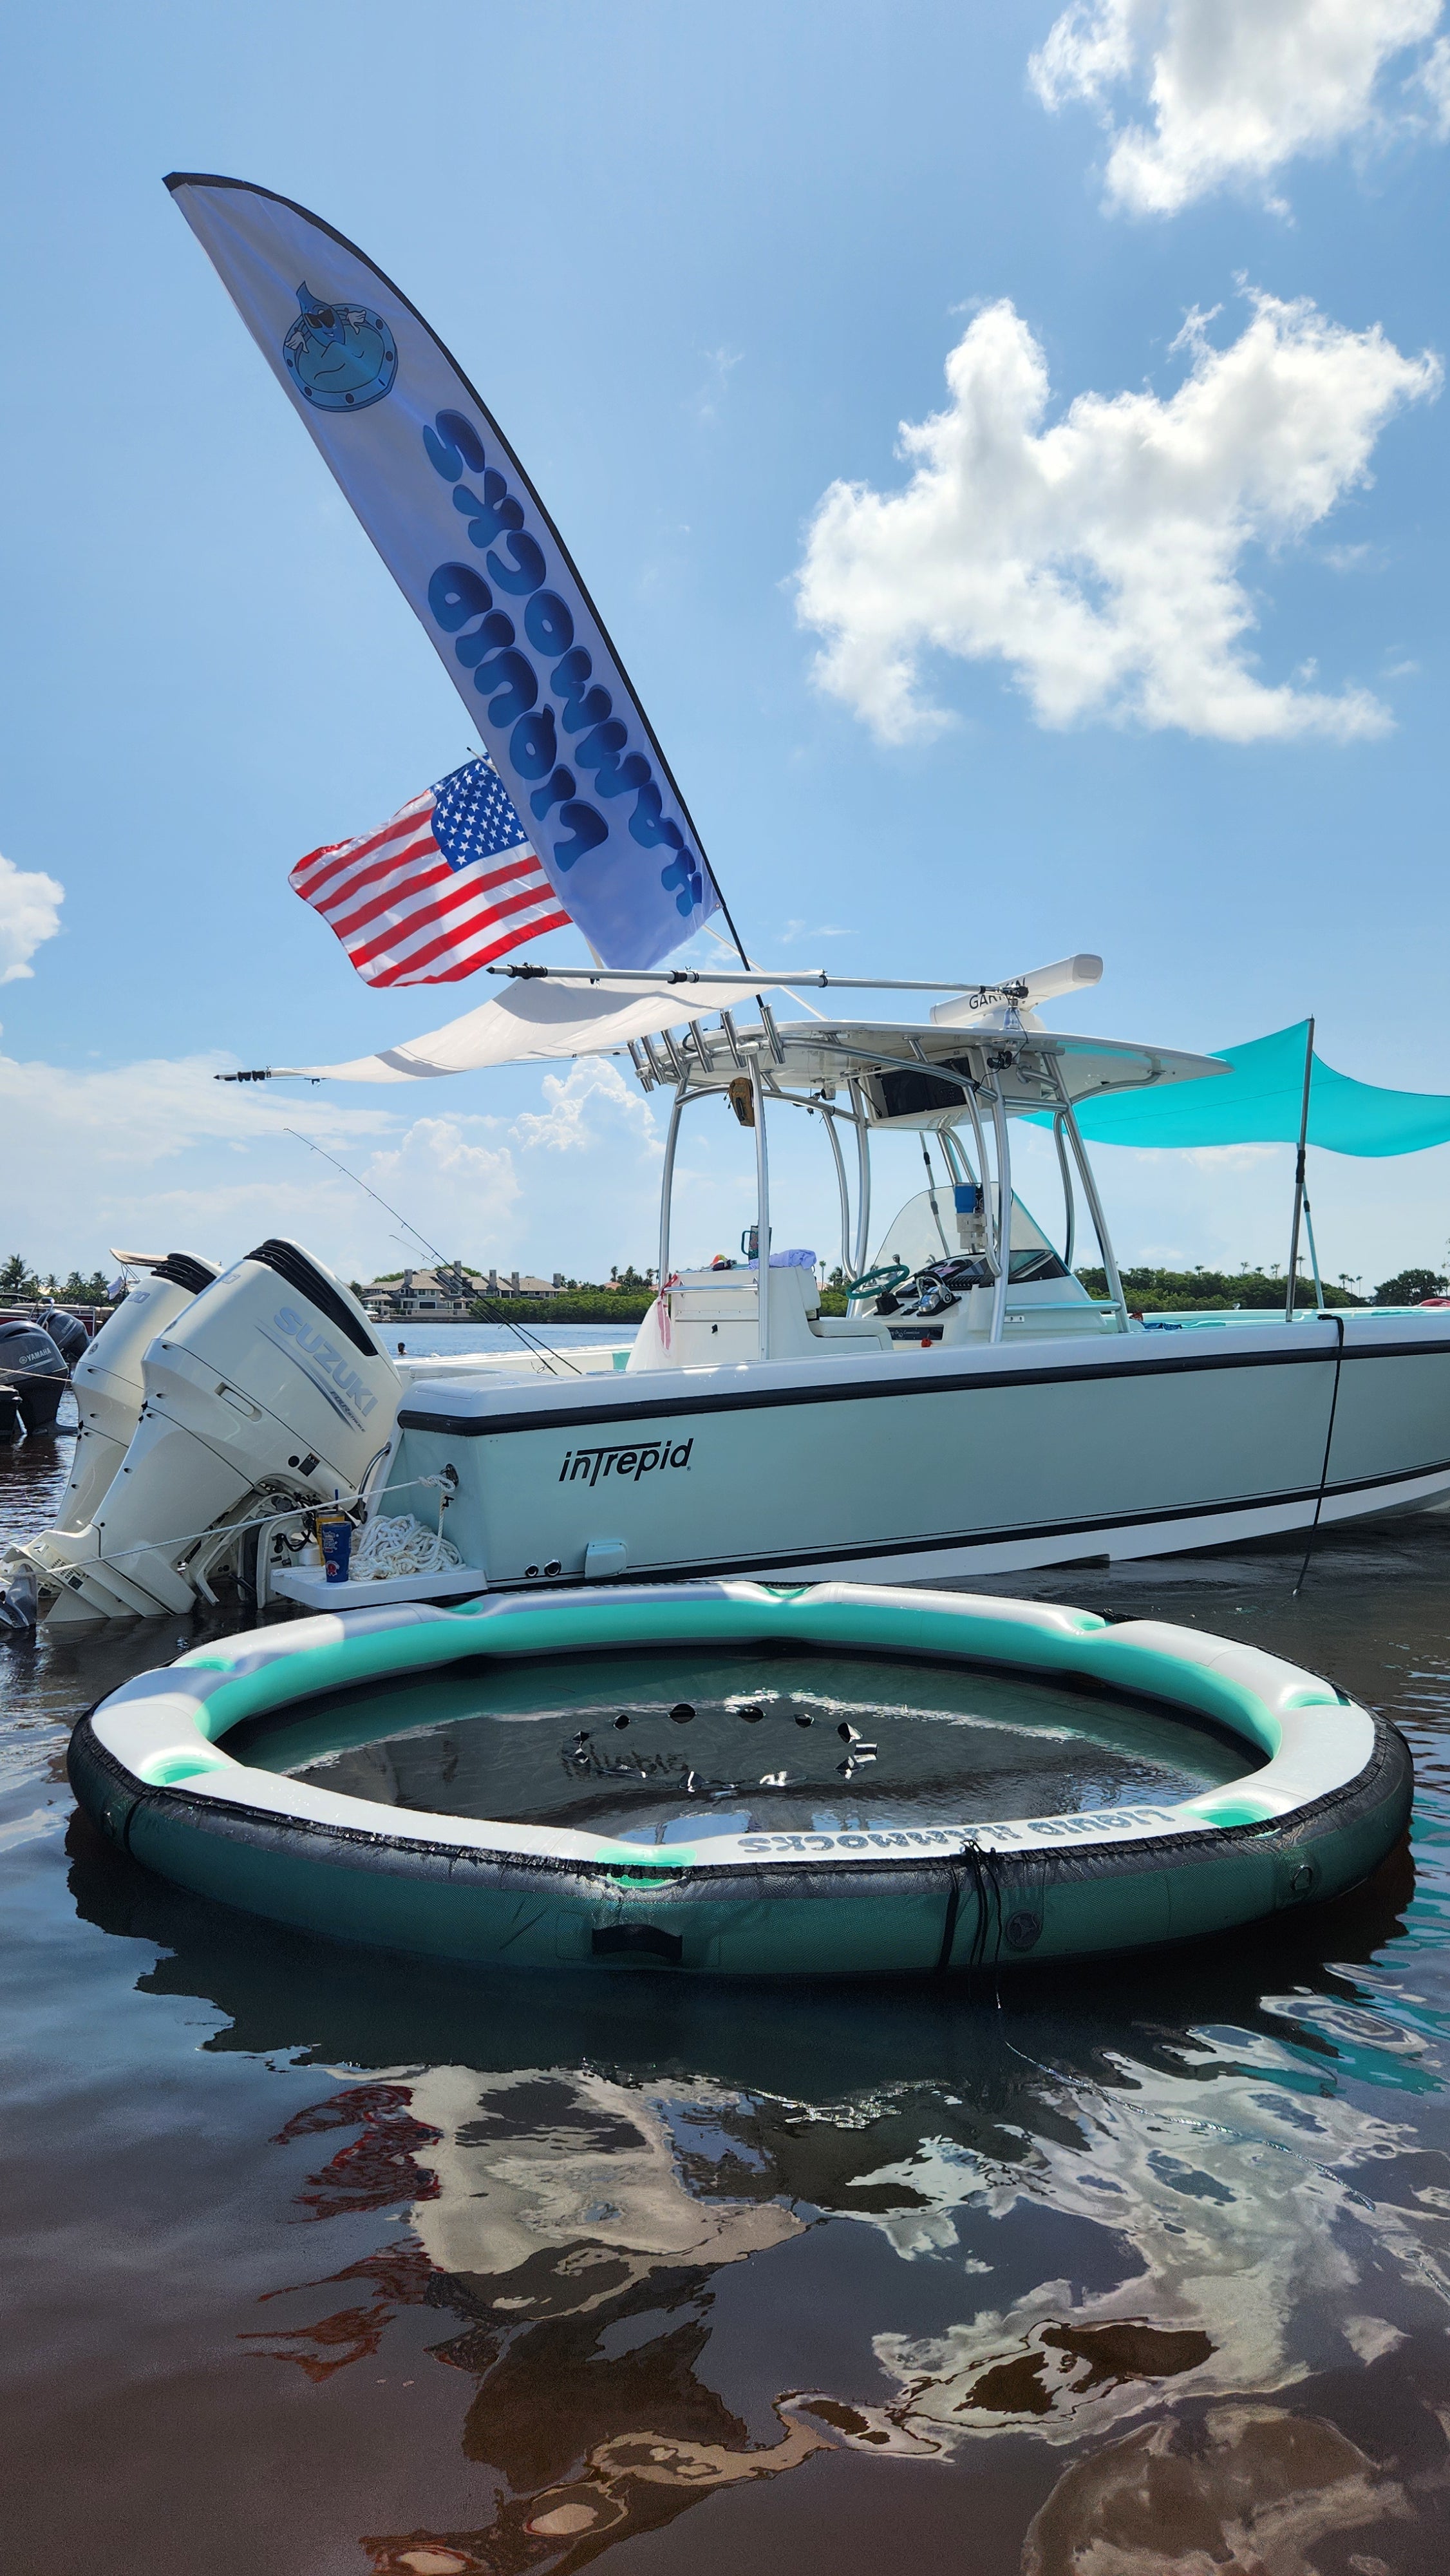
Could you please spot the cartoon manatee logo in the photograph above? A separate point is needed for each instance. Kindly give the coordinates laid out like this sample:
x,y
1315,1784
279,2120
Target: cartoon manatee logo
x,y
341,357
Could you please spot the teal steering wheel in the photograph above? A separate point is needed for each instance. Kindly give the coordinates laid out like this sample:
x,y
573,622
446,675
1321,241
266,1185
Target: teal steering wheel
x,y
889,1274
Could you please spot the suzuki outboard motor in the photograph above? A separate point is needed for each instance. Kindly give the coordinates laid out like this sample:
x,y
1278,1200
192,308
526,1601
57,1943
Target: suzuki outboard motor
x,y
269,1390
31,1364
106,1378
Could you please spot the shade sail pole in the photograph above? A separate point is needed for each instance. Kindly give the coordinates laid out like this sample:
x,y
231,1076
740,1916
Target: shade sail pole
x,y
1299,1174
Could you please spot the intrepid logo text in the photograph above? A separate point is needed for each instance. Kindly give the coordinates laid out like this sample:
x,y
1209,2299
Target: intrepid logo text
x,y
630,1464
333,1364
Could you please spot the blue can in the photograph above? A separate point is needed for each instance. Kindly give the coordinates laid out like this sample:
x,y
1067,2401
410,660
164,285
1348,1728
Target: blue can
x,y
334,1537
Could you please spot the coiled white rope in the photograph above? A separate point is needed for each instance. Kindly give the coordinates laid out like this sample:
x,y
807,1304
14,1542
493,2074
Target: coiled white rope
x,y
396,1543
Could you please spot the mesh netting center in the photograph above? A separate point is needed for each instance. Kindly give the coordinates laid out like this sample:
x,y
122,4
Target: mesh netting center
x,y
670,1745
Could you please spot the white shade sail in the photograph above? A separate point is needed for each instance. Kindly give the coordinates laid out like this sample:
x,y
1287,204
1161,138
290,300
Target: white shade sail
x,y
538,1019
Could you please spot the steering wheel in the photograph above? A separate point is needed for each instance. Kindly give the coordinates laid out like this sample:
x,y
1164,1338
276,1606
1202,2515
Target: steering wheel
x,y
889,1274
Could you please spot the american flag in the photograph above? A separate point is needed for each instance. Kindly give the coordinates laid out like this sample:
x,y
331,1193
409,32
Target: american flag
x,y
451,882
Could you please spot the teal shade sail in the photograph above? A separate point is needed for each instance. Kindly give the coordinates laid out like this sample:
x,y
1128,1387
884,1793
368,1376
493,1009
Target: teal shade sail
x,y
1258,1103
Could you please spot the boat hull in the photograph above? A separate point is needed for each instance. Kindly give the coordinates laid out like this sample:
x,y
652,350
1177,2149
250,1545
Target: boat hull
x,y
915,1466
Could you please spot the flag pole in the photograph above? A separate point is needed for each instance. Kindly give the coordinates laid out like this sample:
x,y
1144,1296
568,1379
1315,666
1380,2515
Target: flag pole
x,y
1299,1173
729,924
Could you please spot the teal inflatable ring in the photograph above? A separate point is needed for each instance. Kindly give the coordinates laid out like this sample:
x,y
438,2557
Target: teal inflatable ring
x,y
1327,1799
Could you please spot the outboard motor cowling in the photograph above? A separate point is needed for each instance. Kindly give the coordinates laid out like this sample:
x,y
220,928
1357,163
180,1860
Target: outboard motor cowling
x,y
268,1389
67,1332
107,1378
31,1364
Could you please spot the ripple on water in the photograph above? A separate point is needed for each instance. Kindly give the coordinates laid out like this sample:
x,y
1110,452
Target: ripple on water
x,y
321,2259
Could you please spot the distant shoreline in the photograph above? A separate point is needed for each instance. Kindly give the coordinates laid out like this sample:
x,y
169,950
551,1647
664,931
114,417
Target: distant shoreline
x,y
582,1306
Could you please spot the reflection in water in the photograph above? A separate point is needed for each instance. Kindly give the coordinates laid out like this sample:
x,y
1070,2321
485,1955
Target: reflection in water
x,y
576,2227
1103,2272
1247,2490
569,2222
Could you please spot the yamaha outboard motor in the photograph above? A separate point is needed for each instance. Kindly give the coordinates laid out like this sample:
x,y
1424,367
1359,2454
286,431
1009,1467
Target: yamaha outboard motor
x,y
67,1332
31,1364
270,1390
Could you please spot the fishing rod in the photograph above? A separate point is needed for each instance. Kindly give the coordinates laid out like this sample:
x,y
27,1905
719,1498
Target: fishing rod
x,y
445,1268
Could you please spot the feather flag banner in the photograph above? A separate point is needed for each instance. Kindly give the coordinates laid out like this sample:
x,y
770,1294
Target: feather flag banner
x,y
473,550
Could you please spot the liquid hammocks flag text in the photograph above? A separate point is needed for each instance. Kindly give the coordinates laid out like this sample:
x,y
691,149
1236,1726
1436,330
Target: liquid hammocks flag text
x,y
450,883
471,546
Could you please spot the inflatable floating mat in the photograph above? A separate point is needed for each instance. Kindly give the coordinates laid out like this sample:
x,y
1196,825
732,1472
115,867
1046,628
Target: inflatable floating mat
x,y
744,1779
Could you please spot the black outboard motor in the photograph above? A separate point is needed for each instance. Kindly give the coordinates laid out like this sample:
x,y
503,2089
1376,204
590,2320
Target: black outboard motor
x,y
67,1332
31,1364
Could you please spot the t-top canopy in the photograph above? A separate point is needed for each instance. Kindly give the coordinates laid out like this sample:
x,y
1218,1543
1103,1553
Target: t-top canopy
x,y
540,1019
906,1070
1260,1103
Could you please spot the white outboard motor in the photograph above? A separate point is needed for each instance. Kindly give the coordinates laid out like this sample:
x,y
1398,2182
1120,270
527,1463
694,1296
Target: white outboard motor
x,y
268,1390
106,1379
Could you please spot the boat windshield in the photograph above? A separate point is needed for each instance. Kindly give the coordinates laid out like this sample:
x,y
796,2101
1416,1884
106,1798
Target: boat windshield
x,y
929,1229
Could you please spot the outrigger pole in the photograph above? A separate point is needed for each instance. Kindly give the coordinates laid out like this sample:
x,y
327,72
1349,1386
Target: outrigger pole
x,y
984,995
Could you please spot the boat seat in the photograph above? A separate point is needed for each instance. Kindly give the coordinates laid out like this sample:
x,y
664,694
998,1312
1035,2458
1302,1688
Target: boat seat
x,y
797,1326
861,1329
713,1320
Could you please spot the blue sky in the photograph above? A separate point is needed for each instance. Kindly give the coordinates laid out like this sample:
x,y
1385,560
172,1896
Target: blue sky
x,y
1139,650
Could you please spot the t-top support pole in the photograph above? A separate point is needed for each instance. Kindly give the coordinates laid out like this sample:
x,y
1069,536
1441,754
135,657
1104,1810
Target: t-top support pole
x,y
762,1211
830,1124
1095,1205
1068,1201
1004,1209
667,1185
863,1182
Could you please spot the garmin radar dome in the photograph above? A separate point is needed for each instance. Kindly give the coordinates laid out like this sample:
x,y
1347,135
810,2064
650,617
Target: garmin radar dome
x,y
738,1778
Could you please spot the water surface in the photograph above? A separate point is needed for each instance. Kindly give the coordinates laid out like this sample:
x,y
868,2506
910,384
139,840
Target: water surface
x,y
319,2261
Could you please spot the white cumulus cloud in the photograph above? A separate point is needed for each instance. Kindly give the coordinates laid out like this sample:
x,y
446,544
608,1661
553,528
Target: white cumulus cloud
x,y
1434,84
1235,88
30,905
159,1155
593,1083
1102,558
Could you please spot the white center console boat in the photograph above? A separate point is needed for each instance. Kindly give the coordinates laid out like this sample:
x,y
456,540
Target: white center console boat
x,y
974,1411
